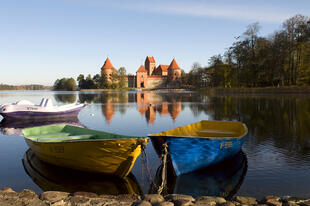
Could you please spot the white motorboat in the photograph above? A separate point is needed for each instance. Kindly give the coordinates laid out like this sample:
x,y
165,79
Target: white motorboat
x,y
25,109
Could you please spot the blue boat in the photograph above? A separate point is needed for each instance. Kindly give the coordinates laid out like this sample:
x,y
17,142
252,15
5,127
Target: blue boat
x,y
202,144
223,179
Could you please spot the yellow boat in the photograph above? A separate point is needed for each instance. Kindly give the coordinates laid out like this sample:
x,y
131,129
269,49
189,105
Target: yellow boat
x,y
53,178
85,149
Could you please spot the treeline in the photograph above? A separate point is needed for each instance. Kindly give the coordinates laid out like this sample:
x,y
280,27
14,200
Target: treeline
x,y
115,80
67,84
24,87
281,59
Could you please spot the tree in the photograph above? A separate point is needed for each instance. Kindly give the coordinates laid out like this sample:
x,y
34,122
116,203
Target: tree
x,y
65,84
70,84
81,81
97,81
89,82
122,77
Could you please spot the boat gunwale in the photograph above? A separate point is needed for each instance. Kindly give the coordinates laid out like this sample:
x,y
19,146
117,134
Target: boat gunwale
x,y
87,140
206,137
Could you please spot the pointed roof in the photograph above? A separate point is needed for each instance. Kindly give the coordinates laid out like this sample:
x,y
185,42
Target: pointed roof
x,y
163,67
141,69
174,65
150,59
107,64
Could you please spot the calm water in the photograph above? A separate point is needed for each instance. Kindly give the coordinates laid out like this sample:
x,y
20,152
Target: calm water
x,y
275,157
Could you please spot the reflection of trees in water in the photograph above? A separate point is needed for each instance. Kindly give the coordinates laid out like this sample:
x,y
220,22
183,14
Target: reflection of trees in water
x,y
283,120
88,97
65,98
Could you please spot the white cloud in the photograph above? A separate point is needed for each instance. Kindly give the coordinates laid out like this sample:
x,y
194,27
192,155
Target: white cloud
x,y
261,13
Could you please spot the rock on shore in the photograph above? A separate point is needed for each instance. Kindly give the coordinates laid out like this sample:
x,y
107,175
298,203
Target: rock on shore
x,y
9,197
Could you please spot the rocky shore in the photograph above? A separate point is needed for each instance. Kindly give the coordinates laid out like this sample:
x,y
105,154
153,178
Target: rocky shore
x,y
9,197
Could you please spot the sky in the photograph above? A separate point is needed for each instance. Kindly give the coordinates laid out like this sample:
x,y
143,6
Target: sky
x,y
45,40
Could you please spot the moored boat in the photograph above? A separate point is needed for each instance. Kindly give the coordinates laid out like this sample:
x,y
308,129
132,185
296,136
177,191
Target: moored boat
x,y
53,178
202,144
25,109
223,179
85,149
15,126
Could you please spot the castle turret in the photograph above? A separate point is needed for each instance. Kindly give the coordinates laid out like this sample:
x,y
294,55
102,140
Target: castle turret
x,y
108,69
174,71
150,65
141,77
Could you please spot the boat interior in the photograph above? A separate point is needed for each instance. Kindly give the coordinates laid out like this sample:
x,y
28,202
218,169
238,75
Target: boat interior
x,y
63,133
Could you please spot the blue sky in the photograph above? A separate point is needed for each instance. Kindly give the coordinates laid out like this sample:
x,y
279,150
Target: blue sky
x,y
42,40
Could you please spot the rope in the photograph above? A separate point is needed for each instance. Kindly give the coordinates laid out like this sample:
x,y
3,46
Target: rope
x,y
164,169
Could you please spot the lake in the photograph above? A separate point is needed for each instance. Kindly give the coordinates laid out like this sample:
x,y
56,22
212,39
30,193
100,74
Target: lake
x,y
275,158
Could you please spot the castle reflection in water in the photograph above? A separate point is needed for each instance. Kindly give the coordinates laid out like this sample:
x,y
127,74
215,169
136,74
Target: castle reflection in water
x,y
148,103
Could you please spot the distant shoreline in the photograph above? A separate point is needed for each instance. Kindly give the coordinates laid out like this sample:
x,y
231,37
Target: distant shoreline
x,y
5,87
218,90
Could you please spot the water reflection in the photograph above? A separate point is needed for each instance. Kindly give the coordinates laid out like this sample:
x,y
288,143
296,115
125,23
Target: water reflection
x,y
53,178
223,179
15,127
65,98
149,104
280,119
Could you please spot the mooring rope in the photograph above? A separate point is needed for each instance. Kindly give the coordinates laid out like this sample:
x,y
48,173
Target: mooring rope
x,y
164,169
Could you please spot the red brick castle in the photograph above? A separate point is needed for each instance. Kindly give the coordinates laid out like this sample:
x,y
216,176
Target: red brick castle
x,y
150,76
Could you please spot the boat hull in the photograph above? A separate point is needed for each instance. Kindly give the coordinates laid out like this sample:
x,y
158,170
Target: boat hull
x,y
53,178
223,179
115,157
41,115
190,154
202,144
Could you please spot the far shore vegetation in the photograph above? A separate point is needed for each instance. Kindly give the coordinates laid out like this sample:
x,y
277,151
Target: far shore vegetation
x,y
24,87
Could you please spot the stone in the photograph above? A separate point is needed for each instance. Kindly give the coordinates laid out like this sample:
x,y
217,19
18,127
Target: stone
x,y
142,203
154,198
28,194
236,203
7,189
85,194
128,198
58,203
204,203
7,194
165,204
272,202
245,200
218,200
227,203
290,203
53,196
182,202
79,200
289,198
271,197
173,197
305,203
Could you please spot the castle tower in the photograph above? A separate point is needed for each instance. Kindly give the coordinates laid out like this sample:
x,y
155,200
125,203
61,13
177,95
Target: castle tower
x,y
141,77
174,71
150,65
108,69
